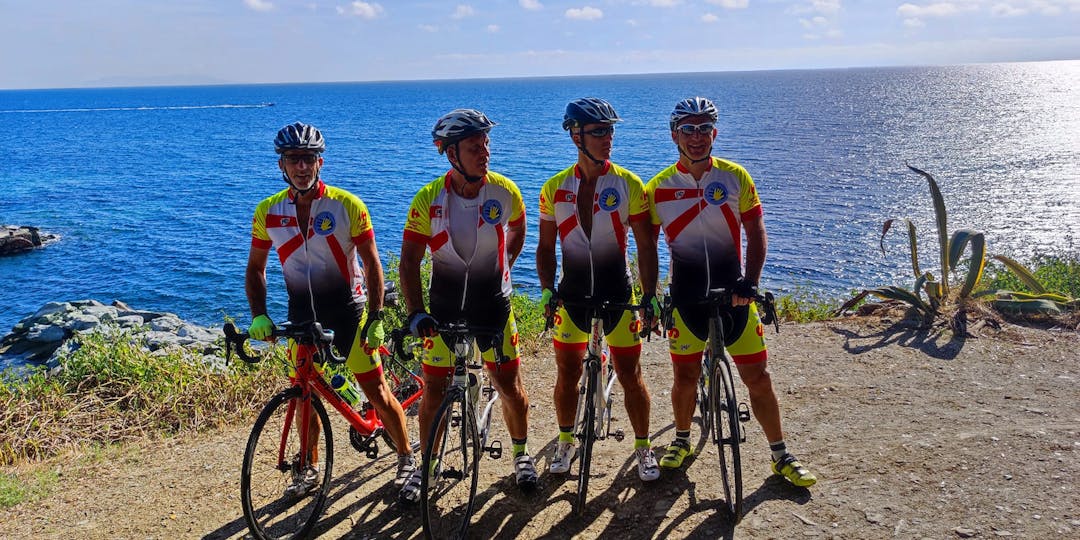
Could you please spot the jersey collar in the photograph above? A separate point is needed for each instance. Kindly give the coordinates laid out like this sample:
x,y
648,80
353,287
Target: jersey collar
x,y
684,170
320,190
580,175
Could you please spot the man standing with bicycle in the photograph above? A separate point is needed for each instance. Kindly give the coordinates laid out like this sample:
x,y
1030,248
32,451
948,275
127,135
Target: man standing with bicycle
x,y
703,205
588,208
473,221
318,230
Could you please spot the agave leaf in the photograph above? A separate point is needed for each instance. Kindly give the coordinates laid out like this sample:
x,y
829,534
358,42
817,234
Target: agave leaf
x,y
942,226
896,293
960,241
913,242
1023,273
1026,306
850,303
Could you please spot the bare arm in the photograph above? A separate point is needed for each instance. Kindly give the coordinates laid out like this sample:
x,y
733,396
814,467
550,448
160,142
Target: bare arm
x,y
515,241
373,274
546,262
757,245
412,255
255,280
646,253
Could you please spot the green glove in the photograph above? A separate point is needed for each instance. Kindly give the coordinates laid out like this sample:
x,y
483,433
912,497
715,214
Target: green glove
x,y
261,327
373,331
545,297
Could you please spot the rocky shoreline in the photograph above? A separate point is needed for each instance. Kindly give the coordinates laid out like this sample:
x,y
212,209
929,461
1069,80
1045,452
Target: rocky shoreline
x,y
41,338
15,239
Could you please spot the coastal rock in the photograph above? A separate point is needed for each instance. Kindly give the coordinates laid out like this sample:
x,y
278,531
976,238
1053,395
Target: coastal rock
x,y
15,239
43,337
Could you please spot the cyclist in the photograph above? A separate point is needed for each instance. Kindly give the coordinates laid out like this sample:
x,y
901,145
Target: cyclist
x,y
703,204
588,208
318,230
473,221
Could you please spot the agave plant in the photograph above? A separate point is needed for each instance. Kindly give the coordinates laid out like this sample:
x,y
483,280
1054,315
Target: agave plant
x,y
937,291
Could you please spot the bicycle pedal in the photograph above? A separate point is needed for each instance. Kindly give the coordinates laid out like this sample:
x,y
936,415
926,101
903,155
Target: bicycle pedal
x,y
494,450
744,413
618,435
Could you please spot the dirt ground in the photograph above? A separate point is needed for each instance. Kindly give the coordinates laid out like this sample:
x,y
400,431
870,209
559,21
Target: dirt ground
x,y
913,434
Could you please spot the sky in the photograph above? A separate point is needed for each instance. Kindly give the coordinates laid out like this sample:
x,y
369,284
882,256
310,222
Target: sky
x,y
78,43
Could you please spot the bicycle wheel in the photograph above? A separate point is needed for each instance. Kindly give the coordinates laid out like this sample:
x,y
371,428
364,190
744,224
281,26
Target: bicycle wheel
x,y
586,433
725,409
272,462
703,399
453,446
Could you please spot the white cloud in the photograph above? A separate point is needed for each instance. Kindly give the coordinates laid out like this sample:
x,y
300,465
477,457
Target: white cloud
x,y
941,9
730,4
532,5
587,13
462,11
1006,10
631,22
428,28
914,23
364,10
258,5
493,28
709,18
664,3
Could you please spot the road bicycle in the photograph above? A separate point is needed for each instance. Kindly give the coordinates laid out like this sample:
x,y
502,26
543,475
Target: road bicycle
x,y
592,419
721,412
459,434
283,444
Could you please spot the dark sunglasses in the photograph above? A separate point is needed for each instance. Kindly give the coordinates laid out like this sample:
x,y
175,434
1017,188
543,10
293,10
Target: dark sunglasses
x,y
307,159
690,129
601,132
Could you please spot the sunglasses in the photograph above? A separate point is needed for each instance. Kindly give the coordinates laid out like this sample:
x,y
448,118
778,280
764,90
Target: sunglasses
x,y
307,159
690,129
601,132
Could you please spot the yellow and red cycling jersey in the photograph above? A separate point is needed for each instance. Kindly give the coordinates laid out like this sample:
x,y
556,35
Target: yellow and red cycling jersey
x,y
324,263
702,224
467,238
594,264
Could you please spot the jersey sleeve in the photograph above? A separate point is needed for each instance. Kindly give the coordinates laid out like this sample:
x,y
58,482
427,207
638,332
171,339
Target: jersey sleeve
x,y
547,200
418,223
749,203
650,201
639,201
360,228
259,237
517,212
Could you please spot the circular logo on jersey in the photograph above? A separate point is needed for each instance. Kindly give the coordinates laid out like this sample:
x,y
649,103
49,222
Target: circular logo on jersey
x,y
492,211
324,223
609,199
715,193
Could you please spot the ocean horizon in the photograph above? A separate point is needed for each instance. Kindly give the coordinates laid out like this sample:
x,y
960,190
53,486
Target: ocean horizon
x,y
152,188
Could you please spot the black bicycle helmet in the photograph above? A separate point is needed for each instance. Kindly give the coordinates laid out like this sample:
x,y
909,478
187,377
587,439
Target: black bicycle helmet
x,y
695,106
459,124
588,110
299,136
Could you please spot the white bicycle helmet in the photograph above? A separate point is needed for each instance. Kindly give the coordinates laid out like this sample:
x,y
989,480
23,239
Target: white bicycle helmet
x,y
695,106
459,124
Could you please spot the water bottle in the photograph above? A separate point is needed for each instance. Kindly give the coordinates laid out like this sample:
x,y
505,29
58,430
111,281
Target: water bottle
x,y
345,389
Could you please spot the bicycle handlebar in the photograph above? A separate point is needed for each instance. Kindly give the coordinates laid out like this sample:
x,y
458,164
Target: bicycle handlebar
x,y
721,298
305,333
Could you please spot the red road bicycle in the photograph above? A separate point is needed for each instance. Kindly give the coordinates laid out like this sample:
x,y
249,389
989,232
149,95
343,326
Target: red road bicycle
x,y
283,444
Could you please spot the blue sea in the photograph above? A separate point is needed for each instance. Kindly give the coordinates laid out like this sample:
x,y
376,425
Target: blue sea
x,y
152,189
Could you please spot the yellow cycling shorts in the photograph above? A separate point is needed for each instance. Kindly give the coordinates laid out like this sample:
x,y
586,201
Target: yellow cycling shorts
x,y
438,359
745,335
365,364
622,335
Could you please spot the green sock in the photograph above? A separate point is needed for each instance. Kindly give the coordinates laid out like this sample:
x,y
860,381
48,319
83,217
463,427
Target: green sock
x,y
520,447
566,434
642,442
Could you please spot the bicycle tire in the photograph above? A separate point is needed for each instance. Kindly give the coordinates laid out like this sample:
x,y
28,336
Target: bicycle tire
x,y
587,435
268,469
726,434
703,394
447,498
